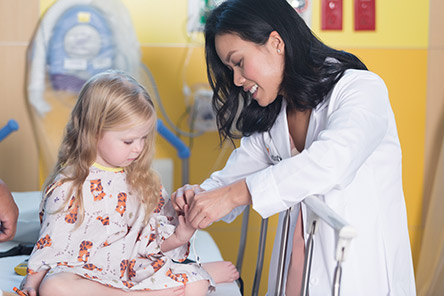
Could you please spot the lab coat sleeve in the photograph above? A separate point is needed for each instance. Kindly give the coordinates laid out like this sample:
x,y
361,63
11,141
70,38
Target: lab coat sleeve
x,y
249,158
356,123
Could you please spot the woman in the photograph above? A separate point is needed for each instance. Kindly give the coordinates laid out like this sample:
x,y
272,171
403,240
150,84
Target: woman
x,y
313,120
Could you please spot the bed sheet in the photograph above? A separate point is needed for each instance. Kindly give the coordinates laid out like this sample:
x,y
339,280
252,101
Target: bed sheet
x,y
27,232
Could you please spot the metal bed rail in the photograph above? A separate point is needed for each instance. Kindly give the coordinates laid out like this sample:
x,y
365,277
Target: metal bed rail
x,y
318,212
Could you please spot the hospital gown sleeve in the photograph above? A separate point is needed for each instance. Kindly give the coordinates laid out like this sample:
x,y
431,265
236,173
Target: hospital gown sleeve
x,y
58,217
161,225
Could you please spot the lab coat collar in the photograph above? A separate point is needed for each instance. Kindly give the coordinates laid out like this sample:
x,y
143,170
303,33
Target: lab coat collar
x,y
322,105
279,133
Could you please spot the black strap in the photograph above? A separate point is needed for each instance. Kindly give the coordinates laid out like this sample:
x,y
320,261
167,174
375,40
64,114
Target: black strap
x,y
21,249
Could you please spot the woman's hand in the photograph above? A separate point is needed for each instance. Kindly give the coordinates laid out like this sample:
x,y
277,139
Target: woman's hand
x,y
209,206
184,196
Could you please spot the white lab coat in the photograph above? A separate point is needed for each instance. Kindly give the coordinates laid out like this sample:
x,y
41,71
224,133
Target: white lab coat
x,y
352,158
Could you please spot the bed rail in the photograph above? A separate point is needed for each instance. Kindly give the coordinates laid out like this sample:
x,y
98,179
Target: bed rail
x,y
318,212
182,150
10,127
343,231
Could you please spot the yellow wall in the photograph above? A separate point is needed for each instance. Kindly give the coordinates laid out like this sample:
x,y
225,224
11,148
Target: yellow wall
x,y
18,155
399,24
397,51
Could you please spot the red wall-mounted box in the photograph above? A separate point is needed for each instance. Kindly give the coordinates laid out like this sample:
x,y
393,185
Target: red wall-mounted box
x,y
365,15
331,14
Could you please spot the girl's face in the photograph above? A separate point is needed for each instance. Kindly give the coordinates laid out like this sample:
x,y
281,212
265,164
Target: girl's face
x,y
258,69
119,148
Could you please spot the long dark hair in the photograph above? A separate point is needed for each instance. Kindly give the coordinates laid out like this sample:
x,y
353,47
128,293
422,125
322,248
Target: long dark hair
x,y
311,67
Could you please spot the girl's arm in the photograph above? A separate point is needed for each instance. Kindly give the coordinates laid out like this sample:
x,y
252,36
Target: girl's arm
x,y
32,282
182,235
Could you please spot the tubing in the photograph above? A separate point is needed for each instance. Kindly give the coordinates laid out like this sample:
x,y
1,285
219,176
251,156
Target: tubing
x,y
182,150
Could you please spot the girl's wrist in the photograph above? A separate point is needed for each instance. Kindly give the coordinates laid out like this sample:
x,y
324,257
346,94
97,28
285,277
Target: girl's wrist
x,y
183,239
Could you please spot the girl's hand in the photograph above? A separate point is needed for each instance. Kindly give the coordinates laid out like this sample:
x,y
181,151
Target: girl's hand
x,y
182,235
29,291
209,206
31,282
184,196
184,231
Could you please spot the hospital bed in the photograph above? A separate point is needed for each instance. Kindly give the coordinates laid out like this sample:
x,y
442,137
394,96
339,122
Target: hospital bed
x,y
27,233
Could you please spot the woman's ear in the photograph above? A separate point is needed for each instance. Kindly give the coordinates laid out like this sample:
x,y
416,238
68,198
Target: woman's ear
x,y
276,42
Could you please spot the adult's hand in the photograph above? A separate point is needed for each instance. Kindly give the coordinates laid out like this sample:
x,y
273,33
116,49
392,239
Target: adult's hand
x,y
184,196
209,206
8,214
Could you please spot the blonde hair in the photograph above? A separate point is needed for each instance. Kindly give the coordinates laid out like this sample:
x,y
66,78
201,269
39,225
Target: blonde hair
x,y
108,101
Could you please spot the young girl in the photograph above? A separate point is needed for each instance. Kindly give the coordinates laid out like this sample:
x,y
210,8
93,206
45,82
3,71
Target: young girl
x,y
106,221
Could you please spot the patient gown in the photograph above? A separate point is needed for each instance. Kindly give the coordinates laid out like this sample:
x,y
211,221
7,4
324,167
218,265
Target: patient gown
x,y
112,246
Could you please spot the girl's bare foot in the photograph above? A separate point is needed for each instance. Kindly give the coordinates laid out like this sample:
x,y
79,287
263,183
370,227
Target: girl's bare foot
x,y
221,271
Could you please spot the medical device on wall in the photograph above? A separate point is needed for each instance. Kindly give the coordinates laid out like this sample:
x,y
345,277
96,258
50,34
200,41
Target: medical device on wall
x,y
197,10
304,8
81,46
199,112
75,40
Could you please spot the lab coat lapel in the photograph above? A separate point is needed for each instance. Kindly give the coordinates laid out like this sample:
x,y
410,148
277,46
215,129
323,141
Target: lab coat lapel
x,y
317,118
279,134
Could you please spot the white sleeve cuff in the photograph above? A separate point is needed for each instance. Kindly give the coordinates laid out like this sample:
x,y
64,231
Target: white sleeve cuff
x,y
264,194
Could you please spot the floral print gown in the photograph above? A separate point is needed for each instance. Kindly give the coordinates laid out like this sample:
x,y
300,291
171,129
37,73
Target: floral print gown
x,y
112,245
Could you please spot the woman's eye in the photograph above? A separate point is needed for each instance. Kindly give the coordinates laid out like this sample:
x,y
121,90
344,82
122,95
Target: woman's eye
x,y
239,64
128,142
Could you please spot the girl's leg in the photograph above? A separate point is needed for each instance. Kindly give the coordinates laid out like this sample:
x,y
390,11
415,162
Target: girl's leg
x,y
69,284
199,288
221,271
